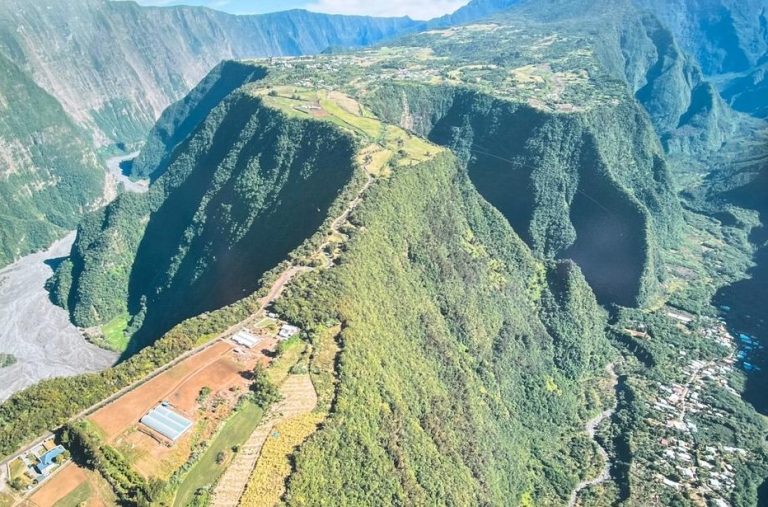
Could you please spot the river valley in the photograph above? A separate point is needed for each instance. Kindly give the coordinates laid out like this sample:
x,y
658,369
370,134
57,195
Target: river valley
x,y
35,331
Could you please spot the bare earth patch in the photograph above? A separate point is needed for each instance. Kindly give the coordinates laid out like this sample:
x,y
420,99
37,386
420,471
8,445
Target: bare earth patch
x,y
57,487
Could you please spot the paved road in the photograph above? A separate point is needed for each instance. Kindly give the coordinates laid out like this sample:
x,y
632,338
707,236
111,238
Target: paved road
x,y
36,331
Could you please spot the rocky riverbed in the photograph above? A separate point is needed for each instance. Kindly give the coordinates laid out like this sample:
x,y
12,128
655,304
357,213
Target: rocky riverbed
x,y
35,331
115,178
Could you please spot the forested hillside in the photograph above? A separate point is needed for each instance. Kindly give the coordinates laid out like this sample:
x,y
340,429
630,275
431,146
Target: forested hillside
x,y
567,186
246,189
181,118
536,147
474,224
467,363
114,66
729,39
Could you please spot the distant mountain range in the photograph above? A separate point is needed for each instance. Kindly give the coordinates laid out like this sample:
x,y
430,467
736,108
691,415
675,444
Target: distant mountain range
x,y
478,217
108,69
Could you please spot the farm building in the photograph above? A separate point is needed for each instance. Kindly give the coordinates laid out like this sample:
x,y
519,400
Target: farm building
x,y
166,422
287,331
245,339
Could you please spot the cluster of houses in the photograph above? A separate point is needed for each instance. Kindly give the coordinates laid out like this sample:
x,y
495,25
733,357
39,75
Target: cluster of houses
x,y
682,462
748,345
546,91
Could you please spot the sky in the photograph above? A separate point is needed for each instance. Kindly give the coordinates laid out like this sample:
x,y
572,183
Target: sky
x,y
417,9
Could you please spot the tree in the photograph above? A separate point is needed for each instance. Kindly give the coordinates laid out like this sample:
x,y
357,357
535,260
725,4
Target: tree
x,y
264,391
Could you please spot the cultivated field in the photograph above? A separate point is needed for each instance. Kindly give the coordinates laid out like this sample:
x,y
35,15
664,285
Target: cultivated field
x,y
219,367
299,398
72,486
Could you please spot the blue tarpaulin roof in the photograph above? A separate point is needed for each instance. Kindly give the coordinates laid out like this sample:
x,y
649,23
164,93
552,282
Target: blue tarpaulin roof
x,y
47,459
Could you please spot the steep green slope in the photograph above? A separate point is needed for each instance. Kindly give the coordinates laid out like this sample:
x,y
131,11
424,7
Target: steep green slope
x,y
181,118
271,187
749,93
534,139
729,39
724,35
48,174
568,185
248,187
468,365
451,391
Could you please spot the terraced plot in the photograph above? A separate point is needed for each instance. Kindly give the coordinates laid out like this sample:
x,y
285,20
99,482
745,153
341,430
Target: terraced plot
x,y
299,398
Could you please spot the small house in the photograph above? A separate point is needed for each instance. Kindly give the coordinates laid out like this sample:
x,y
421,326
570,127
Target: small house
x,y
48,460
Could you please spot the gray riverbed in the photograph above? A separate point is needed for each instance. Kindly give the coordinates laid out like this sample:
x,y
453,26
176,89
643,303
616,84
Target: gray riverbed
x,y
115,174
36,331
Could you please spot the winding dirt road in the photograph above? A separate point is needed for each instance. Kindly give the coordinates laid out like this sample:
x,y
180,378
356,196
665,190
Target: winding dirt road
x,y
590,428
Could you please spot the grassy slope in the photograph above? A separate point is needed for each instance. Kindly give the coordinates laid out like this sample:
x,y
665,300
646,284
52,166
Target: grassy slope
x,y
206,471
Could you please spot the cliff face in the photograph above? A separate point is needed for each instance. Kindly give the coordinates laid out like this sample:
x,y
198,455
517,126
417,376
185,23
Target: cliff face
x,y
633,45
84,73
728,39
182,118
749,92
115,66
48,174
255,189
593,186
246,188
686,109
723,35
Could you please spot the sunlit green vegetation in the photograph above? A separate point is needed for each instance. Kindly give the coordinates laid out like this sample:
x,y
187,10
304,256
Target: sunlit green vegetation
x,y
77,497
250,199
115,337
429,332
207,469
